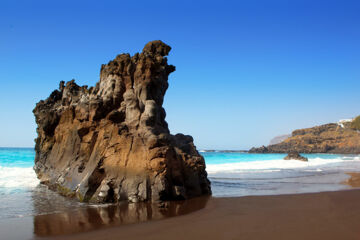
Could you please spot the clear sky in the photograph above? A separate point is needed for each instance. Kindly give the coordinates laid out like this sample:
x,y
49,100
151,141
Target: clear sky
x,y
246,70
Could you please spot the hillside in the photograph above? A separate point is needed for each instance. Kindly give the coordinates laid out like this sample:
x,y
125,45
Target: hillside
x,y
341,137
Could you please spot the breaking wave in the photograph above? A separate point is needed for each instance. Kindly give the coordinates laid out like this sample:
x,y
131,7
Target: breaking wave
x,y
17,177
275,165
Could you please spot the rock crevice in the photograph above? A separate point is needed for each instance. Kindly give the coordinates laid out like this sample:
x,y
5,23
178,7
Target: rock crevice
x,y
111,142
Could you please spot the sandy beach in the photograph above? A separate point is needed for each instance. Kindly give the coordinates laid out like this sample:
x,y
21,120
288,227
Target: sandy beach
x,y
327,215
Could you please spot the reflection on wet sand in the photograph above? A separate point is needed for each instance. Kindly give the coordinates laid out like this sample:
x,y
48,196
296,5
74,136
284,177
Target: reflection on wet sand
x,y
95,217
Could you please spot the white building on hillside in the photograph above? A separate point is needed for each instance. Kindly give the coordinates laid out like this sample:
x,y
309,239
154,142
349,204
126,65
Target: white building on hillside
x,y
342,121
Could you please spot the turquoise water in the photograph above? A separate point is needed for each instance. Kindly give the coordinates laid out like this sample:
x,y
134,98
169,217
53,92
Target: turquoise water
x,y
231,174
236,157
24,157
21,194
242,174
17,157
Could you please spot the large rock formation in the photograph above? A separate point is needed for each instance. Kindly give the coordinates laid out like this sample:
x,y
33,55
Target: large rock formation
x,y
110,142
328,138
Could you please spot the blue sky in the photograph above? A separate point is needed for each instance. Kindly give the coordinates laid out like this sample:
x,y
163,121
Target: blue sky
x,y
246,70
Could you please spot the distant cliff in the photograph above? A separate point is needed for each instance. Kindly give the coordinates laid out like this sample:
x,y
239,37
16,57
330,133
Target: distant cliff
x,y
111,142
279,139
341,137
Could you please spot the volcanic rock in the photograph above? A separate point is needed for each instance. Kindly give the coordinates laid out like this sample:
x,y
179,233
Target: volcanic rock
x,y
295,156
111,142
328,138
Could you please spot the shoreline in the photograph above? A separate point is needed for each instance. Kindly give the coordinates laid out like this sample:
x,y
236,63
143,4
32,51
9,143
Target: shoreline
x,y
254,199
353,180
324,215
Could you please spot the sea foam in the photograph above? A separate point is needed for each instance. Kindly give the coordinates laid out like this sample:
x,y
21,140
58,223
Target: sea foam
x,y
276,165
17,177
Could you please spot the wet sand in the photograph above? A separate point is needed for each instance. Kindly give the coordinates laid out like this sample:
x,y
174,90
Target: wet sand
x,y
327,215
354,180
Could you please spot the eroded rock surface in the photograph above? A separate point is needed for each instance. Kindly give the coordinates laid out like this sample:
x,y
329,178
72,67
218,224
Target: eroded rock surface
x,y
328,138
111,142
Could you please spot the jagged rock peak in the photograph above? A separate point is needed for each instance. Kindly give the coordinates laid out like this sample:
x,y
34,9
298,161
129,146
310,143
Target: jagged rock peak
x,y
111,142
157,47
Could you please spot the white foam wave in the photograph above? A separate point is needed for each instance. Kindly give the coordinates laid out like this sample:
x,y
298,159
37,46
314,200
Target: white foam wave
x,y
272,165
15,177
351,158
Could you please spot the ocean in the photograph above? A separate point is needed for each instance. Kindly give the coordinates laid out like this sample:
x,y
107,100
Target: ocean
x,y
246,174
231,174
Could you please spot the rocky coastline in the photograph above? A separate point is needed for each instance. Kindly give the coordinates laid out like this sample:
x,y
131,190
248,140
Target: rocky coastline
x,y
340,138
111,143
